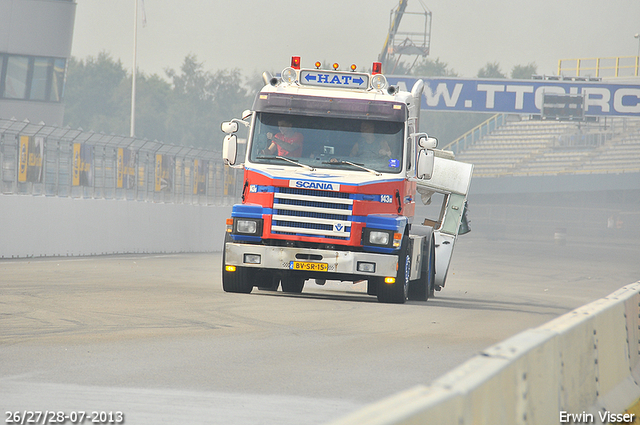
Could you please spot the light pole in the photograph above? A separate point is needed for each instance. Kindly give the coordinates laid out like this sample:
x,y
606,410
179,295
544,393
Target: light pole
x,y
132,133
638,54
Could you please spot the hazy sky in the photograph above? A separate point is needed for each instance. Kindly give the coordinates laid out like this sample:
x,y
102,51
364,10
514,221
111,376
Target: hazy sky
x,y
260,35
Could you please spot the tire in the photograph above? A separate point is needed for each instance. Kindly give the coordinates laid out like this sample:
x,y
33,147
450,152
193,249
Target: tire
x,y
398,292
422,289
431,270
418,289
239,281
292,284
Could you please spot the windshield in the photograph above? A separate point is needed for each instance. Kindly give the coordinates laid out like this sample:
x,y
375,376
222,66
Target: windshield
x,y
322,142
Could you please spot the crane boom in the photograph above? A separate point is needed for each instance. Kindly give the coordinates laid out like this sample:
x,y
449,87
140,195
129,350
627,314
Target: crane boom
x,y
393,29
410,41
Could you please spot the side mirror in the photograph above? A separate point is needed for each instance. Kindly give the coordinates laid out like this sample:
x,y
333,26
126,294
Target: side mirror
x,y
230,149
425,164
229,127
426,142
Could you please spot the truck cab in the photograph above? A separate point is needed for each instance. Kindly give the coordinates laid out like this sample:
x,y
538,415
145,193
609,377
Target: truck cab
x,y
334,162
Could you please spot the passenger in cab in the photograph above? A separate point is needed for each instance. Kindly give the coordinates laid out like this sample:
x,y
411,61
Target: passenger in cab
x,y
367,146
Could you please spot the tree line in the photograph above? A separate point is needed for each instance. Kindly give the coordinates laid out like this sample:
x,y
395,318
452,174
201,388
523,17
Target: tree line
x,y
186,106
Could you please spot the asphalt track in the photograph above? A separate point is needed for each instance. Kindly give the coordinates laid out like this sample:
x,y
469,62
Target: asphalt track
x,y
155,337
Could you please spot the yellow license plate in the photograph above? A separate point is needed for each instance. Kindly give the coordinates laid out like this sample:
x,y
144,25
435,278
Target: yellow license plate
x,y
305,265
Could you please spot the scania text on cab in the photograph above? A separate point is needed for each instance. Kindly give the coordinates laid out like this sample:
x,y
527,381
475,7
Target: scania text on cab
x,y
333,165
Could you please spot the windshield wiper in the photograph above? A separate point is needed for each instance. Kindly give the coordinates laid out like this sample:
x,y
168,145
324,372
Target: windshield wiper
x,y
292,161
355,165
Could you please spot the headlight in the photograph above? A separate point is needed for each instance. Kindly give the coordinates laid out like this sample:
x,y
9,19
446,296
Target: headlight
x,y
246,226
379,238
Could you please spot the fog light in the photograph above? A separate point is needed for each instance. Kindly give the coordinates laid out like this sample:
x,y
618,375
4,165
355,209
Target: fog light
x,y
230,268
252,258
366,267
389,280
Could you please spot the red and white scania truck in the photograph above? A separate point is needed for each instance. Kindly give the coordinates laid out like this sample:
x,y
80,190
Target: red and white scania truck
x,y
333,165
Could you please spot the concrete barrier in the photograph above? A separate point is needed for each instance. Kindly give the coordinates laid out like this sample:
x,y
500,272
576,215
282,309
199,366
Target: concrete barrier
x,y
584,363
35,226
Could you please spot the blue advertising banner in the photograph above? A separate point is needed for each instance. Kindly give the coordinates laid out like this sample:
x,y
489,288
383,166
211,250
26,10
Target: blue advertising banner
x,y
522,96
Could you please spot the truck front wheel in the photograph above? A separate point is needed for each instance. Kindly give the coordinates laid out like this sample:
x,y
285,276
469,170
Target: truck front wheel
x,y
398,291
240,280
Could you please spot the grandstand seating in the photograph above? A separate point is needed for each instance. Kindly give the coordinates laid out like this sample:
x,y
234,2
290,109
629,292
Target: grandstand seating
x,y
621,156
535,147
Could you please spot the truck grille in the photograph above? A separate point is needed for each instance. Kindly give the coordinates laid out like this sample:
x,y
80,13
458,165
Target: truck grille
x,y
307,212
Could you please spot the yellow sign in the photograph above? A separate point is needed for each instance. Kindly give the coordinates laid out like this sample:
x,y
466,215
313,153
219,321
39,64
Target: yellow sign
x,y
125,168
120,167
75,179
81,167
23,159
196,176
200,172
158,172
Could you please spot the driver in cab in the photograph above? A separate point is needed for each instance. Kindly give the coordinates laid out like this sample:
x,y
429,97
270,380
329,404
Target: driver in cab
x,y
287,142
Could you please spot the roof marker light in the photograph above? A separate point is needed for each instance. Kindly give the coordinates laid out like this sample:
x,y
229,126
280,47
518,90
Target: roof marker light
x,y
295,62
353,67
318,65
376,68
336,66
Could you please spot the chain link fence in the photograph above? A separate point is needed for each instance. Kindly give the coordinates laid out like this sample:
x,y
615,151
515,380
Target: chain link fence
x,y
38,159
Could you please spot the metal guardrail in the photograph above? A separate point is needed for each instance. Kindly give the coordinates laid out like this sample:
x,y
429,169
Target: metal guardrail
x,y
37,159
473,135
616,67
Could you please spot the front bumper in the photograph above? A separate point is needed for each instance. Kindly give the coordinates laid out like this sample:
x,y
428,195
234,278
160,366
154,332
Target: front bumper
x,y
338,262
